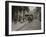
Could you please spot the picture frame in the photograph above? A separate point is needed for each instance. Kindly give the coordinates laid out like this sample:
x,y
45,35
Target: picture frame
x,y
11,9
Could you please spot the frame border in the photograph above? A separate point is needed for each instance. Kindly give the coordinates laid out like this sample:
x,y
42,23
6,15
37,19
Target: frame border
x,y
7,17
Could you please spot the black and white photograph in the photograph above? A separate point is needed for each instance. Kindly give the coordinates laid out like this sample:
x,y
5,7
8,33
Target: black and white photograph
x,y
24,18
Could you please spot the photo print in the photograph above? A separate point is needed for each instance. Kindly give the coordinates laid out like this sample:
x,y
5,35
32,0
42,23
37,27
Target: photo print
x,y
25,18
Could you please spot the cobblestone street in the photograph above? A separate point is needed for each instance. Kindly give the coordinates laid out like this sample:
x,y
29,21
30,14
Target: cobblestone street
x,y
34,25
